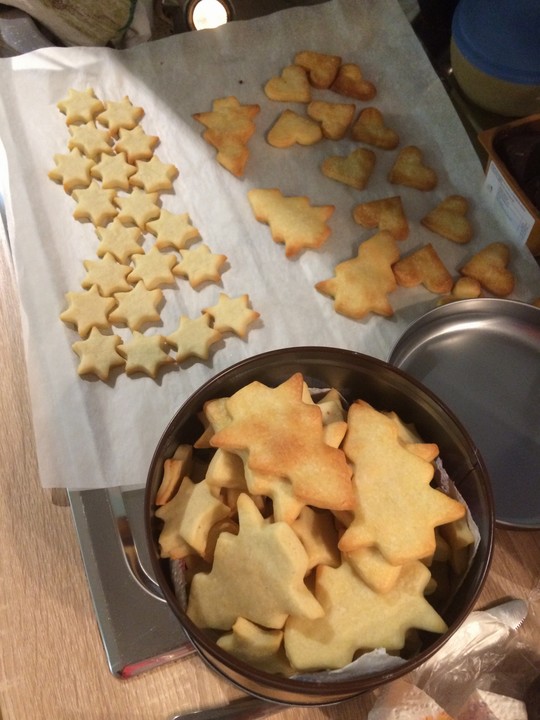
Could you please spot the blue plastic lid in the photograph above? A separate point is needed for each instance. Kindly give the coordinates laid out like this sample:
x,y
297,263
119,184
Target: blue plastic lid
x,y
500,37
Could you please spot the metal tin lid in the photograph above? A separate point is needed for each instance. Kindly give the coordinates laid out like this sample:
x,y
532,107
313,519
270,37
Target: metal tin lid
x,y
482,359
500,38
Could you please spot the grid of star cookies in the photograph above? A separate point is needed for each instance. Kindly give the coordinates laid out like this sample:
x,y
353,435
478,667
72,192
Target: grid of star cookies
x,y
117,181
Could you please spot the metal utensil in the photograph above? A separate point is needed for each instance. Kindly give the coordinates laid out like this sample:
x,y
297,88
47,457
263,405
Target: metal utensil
x,y
247,708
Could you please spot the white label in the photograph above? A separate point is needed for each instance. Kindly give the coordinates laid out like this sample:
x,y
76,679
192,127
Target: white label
x,y
506,206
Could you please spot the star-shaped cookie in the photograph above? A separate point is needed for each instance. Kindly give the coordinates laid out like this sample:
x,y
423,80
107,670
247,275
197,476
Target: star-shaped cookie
x,y
154,175
193,337
137,307
145,354
120,241
80,106
136,144
232,314
98,354
120,114
154,268
172,230
72,170
200,265
114,171
90,140
107,275
87,309
94,204
137,208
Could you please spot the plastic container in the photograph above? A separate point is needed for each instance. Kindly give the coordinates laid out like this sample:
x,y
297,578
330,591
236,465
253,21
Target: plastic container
x,y
495,54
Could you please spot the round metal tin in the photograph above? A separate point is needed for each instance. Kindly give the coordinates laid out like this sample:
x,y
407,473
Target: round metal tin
x,y
481,357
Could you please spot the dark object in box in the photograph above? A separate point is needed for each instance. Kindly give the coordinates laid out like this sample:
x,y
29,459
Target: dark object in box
x,y
515,149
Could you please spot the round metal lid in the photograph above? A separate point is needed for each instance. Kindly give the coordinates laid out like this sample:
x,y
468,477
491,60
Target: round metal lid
x,y
482,359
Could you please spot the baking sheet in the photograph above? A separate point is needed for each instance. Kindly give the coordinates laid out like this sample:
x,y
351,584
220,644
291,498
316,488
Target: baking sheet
x,y
91,434
482,358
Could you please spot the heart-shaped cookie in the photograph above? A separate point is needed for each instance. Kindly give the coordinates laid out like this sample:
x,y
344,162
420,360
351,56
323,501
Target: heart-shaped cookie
x,y
350,82
370,128
321,68
489,267
291,128
291,86
409,170
384,214
449,219
335,118
354,169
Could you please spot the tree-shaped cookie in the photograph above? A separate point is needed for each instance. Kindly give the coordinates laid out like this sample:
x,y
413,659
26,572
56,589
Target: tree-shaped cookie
x,y
361,285
396,507
284,437
233,589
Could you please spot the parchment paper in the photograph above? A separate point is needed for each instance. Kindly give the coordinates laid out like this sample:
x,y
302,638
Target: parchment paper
x,y
92,434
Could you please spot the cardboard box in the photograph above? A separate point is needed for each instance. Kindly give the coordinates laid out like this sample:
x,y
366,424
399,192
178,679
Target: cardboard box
x,y
504,186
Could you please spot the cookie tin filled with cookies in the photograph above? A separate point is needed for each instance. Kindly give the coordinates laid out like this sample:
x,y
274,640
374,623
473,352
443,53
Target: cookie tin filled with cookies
x,y
264,546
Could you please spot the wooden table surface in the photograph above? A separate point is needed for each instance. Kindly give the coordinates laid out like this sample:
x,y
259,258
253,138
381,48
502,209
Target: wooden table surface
x,y
52,663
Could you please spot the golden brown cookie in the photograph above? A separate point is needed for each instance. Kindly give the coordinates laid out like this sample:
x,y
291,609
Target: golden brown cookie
x,y
384,214
350,81
424,266
449,219
409,170
489,267
321,68
354,170
370,128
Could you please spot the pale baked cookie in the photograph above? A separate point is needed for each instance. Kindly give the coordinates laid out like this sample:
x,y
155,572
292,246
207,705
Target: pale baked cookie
x,y
136,307
120,114
200,265
119,240
137,208
290,129
361,285
232,314
72,170
172,230
145,354
98,354
293,221
154,268
229,126
95,204
136,144
90,140
108,275
114,171
87,309
291,86
193,337
154,175
80,106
